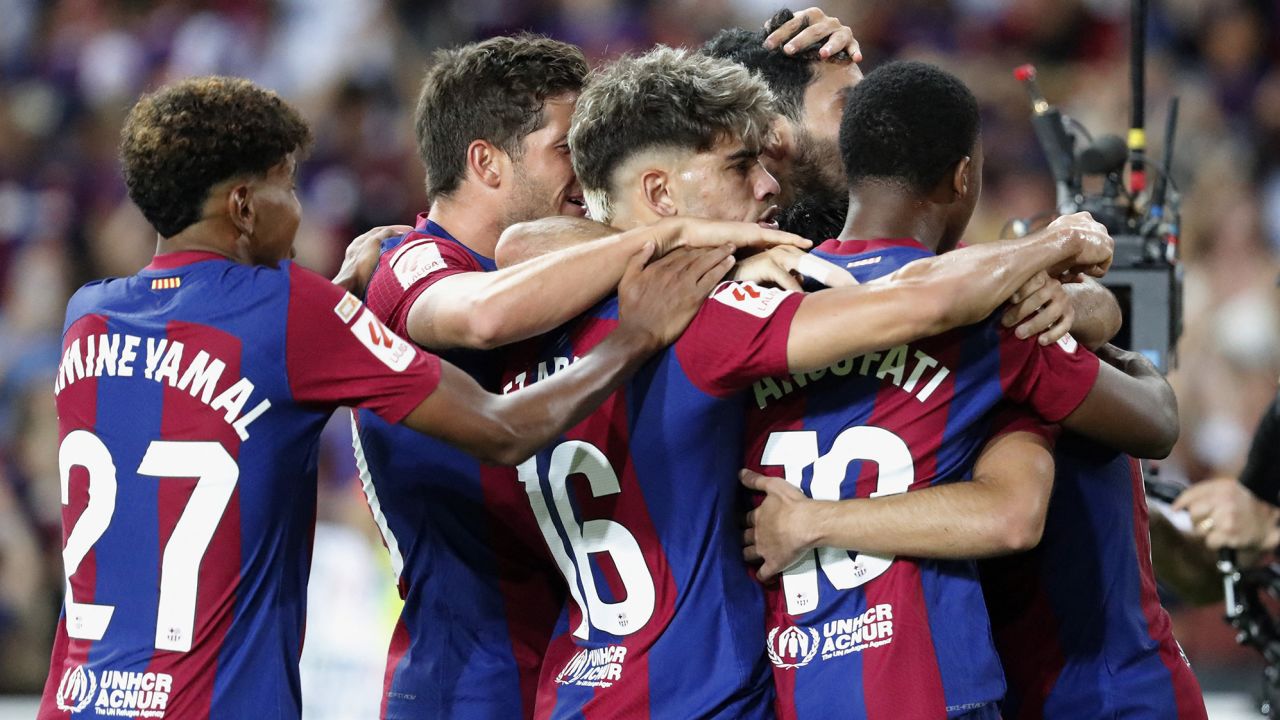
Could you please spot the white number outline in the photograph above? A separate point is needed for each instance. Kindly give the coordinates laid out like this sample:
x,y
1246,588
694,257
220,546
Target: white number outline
x,y
795,450
591,536
216,476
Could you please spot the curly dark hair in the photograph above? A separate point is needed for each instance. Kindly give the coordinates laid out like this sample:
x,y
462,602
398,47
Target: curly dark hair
x,y
183,139
908,123
492,90
786,75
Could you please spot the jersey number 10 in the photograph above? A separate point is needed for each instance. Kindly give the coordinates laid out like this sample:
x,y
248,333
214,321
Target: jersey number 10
x,y
216,474
796,450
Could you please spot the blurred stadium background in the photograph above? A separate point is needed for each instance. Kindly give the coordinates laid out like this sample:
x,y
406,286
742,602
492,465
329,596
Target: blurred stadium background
x,y
69,70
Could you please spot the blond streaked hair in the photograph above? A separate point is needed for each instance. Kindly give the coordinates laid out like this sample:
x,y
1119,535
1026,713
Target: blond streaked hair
x,y
667,98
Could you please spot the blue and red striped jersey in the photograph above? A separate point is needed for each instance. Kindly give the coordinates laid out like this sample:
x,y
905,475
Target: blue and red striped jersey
x,y
641,509
1077,620
479,589
190,401
852,635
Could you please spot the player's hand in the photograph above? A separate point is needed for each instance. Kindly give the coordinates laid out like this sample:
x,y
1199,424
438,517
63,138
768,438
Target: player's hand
x,y
783,266
1040,307
361,257
686,232
807,28
1226,515
660,300
777,531
1089,238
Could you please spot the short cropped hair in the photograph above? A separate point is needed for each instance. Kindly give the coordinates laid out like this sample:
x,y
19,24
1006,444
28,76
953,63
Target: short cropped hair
x,y
668,98
907,123
788,76
180,141
492,90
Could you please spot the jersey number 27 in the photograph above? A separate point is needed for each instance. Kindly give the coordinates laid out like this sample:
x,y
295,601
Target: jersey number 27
x,y
216,474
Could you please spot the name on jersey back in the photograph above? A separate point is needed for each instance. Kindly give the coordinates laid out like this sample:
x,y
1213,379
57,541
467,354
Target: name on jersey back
x,y
912,371
168,362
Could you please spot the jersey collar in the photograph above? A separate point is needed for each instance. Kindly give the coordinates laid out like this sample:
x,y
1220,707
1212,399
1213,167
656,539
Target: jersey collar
x,y
835,246
427,226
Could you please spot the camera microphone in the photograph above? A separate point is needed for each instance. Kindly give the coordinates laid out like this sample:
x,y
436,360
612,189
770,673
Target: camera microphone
x,y
1107,154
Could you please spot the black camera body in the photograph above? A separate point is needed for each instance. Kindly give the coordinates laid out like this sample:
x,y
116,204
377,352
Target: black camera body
x,y
1145,276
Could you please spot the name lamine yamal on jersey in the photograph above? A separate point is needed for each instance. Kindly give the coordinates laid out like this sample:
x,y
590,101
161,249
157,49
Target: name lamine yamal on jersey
x,y
164,361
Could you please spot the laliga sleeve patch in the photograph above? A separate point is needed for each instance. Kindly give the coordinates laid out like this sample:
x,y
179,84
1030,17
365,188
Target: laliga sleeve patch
x,y
415,262
750,298
346,308
1068,343
385,345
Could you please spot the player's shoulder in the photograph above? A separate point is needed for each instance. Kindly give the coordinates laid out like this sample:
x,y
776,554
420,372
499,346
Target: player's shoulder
x,y
408,258
94,297
744,296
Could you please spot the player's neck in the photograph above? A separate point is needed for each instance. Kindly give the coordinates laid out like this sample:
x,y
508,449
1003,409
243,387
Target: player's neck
x,y
881,211
469,222
204,236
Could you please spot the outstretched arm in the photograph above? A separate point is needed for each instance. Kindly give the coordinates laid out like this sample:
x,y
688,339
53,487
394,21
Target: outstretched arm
x,y
482,310
656,304
1000,511
933,295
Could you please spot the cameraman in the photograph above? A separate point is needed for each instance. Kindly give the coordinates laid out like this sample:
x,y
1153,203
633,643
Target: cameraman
x,y
1242,514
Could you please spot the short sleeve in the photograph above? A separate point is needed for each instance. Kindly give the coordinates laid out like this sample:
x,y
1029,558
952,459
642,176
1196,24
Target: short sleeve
x,y
1052,380
408,270
738,336
1009,418
338,353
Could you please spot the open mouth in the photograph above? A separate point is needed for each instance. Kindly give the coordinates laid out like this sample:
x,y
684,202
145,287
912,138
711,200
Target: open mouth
x,y
769,219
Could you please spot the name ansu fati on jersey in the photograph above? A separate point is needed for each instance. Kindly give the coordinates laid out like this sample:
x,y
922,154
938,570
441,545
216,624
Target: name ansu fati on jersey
x,y
913,371
165,361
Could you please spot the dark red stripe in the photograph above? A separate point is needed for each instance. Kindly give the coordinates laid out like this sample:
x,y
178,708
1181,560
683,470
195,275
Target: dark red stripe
x,y
1186,689
77,406
184,417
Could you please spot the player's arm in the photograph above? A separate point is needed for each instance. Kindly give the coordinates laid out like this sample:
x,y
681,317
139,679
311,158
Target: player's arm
x,y
1000,511
1049,309
933,295
655,305
535,238
1130,407
487,310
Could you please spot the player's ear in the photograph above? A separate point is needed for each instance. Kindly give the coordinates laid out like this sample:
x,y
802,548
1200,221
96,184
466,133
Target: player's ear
x,y
240,208
486,163
655,191
962,178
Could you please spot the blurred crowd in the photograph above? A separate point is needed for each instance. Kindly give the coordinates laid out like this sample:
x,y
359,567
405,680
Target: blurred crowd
x,y
70,69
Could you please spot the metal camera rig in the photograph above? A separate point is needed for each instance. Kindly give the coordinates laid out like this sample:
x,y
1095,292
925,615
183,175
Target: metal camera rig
x,y
1248,612
1145,276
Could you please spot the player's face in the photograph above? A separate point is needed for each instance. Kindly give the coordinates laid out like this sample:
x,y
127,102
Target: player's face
x,y
806,156
726,182
544,181
818,135
276,214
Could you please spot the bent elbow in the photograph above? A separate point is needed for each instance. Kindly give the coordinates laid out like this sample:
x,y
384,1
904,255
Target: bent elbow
x,y
1163,431
1019,532
486,330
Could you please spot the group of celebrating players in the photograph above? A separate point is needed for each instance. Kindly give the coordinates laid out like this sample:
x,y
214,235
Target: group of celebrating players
x,y
552,413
